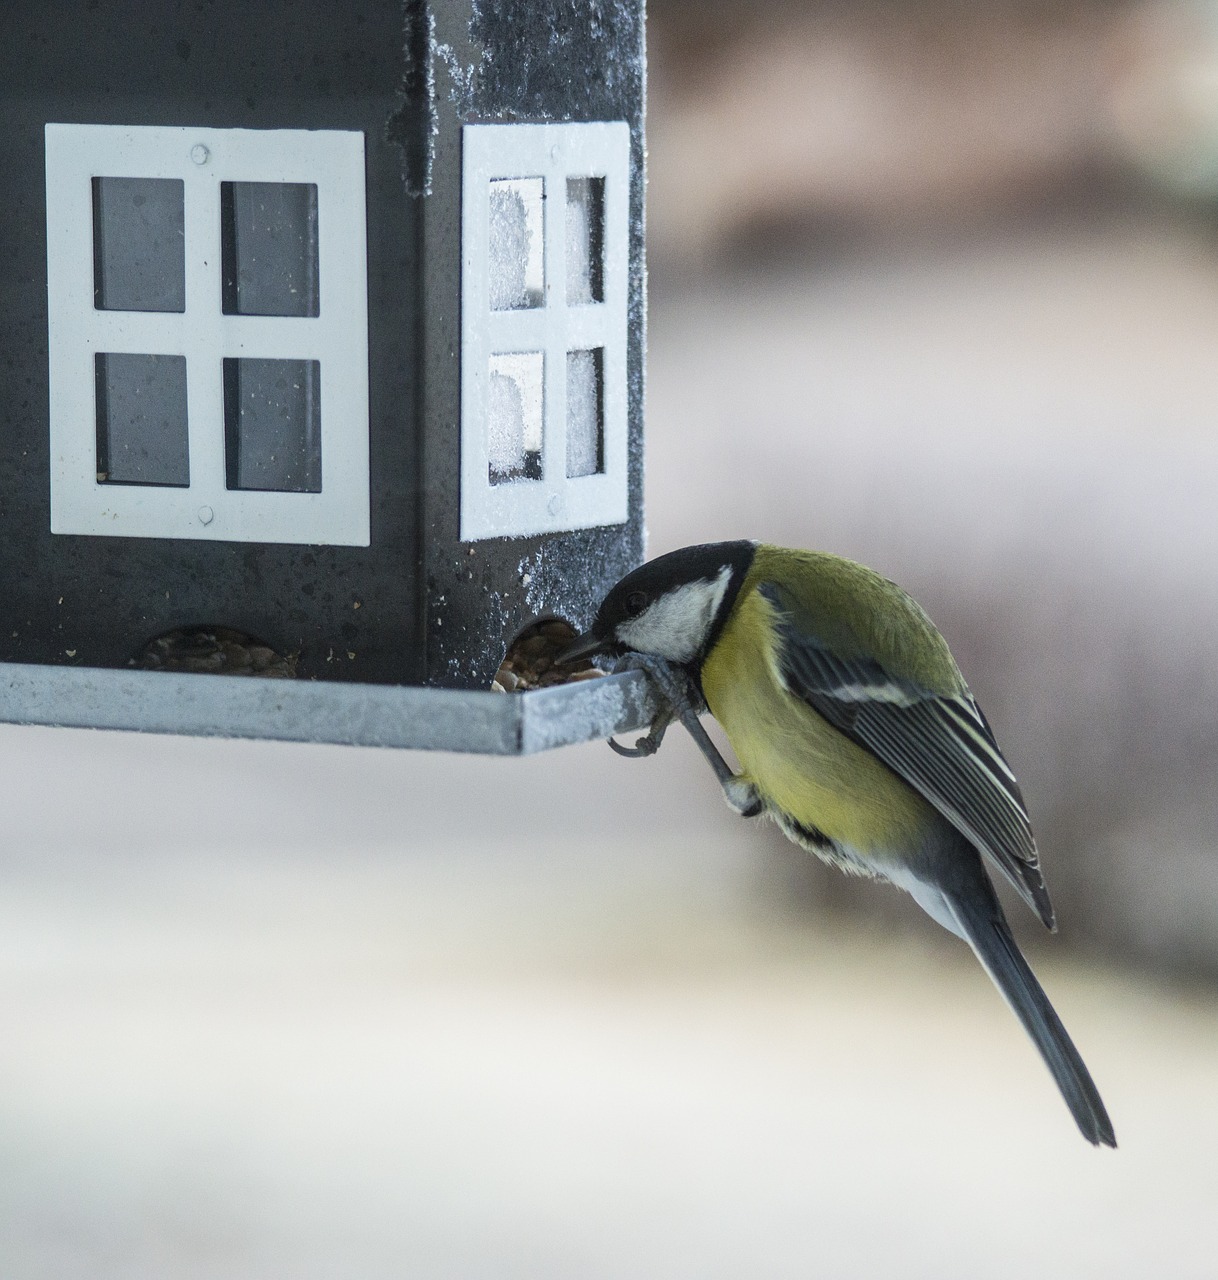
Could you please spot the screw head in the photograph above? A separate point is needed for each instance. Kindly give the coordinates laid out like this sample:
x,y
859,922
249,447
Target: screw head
x,y
199,153
206,515
555,504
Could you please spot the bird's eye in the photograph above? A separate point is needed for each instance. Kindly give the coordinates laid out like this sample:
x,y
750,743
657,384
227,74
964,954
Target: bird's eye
x,y
636,602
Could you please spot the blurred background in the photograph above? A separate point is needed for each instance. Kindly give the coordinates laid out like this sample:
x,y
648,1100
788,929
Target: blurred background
x,y
933,285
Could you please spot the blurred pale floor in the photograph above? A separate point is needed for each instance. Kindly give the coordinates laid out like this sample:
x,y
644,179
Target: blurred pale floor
x,y
306,1012
298,1012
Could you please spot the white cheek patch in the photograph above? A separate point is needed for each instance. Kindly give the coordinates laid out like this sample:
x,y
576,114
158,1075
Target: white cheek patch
x,y
677,624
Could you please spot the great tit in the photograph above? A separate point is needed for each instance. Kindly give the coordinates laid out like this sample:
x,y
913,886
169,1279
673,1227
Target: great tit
x,y
857,733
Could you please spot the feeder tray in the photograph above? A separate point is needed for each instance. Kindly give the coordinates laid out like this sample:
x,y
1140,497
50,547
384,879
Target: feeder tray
x,y
326,711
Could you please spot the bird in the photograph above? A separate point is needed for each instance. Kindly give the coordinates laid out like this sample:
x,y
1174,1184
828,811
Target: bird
x,y
856,732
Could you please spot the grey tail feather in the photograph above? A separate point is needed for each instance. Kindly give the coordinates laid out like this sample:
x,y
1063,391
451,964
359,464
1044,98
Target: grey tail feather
x,y
990,937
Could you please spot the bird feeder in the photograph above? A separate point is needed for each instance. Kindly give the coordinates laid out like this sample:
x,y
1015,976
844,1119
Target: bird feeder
x,y
323,363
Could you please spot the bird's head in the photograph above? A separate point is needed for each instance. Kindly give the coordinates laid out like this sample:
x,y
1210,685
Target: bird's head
x,y
673,607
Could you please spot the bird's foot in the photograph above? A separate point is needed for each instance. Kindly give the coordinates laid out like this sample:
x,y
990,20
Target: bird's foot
x,y
742,797
674,683
682,700
673,699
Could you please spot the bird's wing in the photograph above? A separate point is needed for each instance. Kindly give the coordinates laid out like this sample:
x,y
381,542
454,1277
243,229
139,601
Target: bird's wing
x,y
942,746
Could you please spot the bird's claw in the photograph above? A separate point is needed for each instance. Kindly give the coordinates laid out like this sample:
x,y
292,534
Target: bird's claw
x,y
642,748
649,744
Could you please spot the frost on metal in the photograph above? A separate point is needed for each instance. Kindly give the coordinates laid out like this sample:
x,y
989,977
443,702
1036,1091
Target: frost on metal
x,y
496,63
413,126
545,257
516,251
534,54
585,413
514,416
347,714
461,75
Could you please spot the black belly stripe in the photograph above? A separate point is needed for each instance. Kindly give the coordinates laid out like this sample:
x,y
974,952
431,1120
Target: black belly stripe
x,y
813,837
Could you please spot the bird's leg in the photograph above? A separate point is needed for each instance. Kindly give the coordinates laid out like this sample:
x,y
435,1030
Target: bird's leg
x,y
682,700
678,700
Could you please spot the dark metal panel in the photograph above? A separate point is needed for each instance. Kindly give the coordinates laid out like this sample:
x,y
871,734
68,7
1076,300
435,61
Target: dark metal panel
x,y
540,61
354,613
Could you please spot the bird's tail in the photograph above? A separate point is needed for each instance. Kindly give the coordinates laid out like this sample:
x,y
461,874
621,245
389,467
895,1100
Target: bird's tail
x,y
989,935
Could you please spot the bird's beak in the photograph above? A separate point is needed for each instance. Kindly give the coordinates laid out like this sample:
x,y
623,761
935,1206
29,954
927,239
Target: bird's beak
x,y
582,647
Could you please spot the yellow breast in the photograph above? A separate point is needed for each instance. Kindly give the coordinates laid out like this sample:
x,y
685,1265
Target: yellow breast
x,y
794,757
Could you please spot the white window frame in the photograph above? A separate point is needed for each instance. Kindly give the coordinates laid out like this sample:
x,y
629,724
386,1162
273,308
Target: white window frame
x,y
553,152
337,337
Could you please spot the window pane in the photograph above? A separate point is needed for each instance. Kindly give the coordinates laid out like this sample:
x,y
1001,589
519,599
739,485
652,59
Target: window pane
x,y
585,240
585,413
272,425
515,416
269,235
517,263
141,420
139,259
